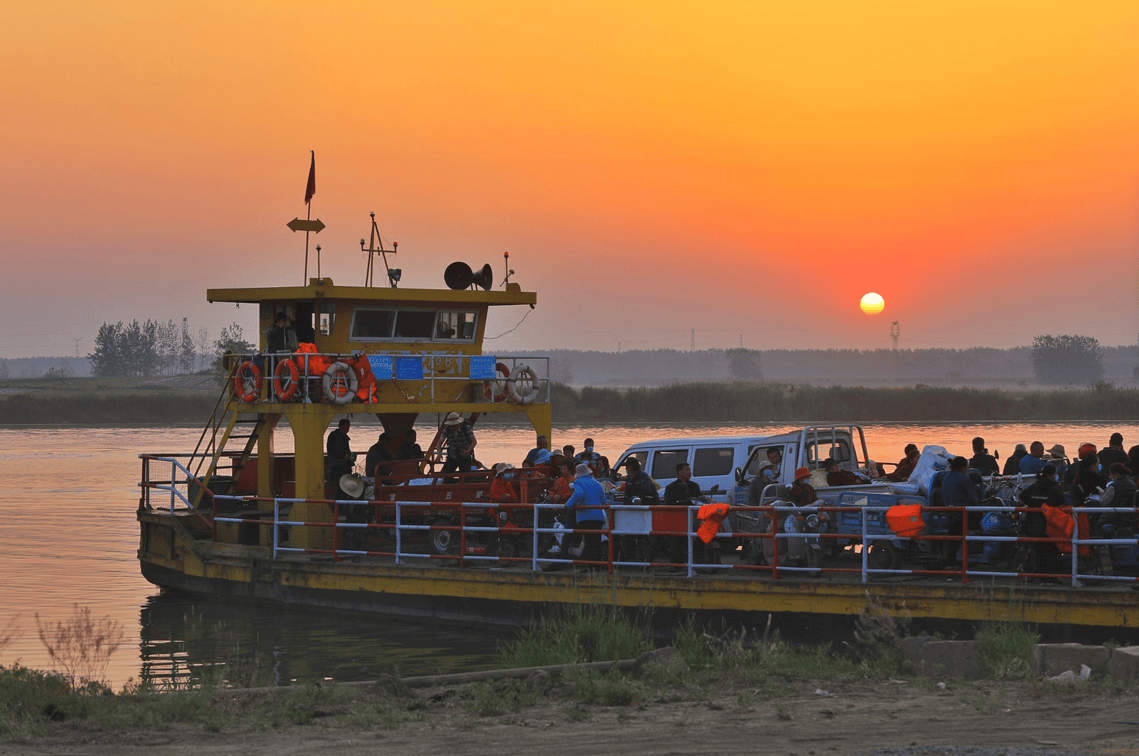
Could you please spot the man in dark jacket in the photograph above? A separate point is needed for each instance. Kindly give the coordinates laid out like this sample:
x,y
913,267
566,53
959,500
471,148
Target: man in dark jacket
x,y
409,449
1012,464
280,337
340,456
982,461
682,491
378,453
1120,492
639,484
1113,452
1044,490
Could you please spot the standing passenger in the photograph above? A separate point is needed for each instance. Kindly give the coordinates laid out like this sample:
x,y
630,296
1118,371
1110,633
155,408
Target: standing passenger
x,y
340,456
460,444
588,500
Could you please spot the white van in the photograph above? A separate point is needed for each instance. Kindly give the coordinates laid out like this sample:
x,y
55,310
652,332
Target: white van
x,y
714,460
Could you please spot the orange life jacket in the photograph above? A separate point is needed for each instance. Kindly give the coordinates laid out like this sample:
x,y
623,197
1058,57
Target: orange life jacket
x,y
905,520
712,516
1060,525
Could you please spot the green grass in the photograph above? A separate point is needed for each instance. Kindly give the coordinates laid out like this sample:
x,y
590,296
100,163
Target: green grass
x,y
584,633
1006,648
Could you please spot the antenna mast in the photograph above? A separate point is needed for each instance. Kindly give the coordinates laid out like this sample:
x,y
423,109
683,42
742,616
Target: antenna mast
x,y
394,274
895,332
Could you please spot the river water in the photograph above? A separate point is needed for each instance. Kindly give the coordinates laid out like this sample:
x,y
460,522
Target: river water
x,y
69,538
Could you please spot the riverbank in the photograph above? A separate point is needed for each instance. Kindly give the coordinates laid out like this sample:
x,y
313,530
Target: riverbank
x,y
189,399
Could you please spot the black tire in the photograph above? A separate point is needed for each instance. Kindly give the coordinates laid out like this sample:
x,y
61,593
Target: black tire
x,y
507,549
883,555
441,542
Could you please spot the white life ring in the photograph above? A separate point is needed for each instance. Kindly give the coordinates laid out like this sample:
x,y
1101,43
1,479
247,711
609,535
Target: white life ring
x,y
339,383
528,377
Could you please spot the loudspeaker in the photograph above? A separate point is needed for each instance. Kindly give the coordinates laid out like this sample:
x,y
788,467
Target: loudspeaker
x,y
484,278
459,276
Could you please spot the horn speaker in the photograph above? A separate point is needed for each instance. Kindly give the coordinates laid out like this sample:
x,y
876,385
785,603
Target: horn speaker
x,y
459,276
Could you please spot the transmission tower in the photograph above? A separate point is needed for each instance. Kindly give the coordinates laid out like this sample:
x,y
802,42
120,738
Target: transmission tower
x,y
692,343
895,332
78,340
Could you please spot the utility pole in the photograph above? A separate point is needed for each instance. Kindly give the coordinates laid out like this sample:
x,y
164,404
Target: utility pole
x,y
895,332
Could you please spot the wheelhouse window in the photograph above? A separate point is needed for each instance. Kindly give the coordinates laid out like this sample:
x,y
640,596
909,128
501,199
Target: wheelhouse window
x,y
380,324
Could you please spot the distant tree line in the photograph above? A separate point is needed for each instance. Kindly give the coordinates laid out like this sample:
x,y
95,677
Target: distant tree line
x,y
153,348
1081,362
770,402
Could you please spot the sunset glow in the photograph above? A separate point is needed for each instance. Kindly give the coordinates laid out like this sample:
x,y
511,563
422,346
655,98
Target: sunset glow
x,y
653,168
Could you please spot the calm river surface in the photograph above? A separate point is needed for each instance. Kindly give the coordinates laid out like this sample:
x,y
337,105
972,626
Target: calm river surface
x,y
69,538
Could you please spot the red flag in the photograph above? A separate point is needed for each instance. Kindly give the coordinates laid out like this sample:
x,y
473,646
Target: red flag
x,y
311,188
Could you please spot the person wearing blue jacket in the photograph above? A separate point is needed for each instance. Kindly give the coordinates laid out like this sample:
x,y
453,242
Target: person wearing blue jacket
x,y
588,494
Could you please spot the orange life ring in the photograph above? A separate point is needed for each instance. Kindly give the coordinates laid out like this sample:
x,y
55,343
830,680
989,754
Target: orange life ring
x,y
284,385
247,382
496,391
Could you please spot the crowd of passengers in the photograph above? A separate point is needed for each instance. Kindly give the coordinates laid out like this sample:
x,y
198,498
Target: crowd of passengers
x,y
581,481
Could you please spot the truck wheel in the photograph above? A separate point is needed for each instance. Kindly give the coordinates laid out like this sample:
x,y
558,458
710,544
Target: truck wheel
x,y
883,555
441,541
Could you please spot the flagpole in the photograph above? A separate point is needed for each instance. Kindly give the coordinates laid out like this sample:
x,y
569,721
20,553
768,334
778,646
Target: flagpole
x,y
308,216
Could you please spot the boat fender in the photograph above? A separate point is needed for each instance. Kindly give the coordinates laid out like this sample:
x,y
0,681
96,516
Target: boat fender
x,y
524,372
247,382
286,380
340,383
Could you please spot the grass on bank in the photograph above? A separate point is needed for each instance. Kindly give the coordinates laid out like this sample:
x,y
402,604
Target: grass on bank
x,y
753,669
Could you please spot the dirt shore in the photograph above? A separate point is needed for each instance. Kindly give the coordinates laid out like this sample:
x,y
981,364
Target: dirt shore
x,y
911,716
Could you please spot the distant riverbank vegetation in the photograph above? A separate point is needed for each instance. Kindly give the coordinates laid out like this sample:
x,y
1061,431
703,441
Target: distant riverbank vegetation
x,y
81,402
767,402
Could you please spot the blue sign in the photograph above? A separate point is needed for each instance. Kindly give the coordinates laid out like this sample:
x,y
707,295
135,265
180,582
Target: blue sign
x,y
483,367
409,368
381,366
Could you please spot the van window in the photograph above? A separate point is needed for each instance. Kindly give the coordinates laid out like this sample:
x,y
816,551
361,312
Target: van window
x,y
640,456
717,461
665,462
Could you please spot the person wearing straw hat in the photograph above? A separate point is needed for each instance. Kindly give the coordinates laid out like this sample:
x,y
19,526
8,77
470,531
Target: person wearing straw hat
x,y
461,443
587,494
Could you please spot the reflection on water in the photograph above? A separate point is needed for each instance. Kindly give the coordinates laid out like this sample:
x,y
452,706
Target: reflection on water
x,y
185,638
69,536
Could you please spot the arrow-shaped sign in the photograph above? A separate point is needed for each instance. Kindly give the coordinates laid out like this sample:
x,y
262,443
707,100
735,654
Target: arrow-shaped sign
x,y
306,225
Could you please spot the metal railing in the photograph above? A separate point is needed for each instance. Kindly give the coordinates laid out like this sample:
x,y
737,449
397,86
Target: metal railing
x,y
478,531
439,371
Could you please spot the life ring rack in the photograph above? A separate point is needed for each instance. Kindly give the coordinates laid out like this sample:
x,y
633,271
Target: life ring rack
x,y
247,382
286,380
527,376
339,383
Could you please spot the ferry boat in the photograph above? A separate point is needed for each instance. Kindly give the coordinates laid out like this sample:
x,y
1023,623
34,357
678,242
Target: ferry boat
x,y
238,518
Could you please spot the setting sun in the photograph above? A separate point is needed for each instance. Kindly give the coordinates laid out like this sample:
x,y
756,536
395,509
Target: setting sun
x,y
872,303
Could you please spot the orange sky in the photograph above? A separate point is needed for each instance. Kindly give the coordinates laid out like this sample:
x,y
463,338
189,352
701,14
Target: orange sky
x,y
749,169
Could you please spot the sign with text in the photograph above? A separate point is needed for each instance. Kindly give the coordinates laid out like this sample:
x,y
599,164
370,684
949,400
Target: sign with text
x,y
482,367
381,366
409,368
